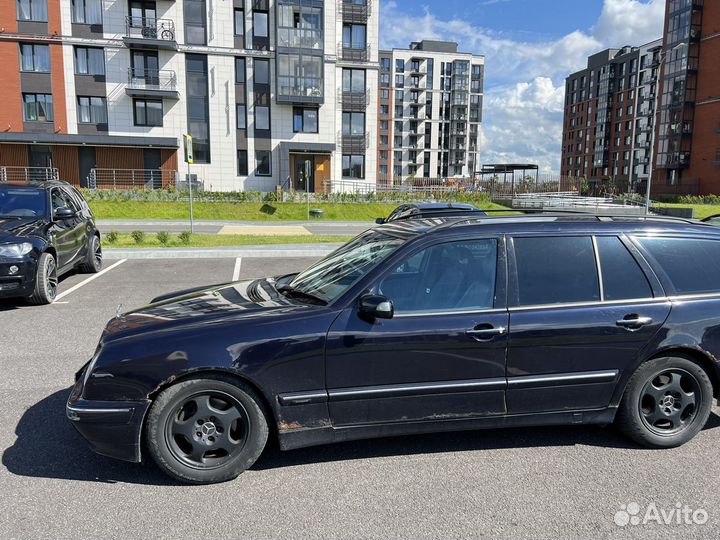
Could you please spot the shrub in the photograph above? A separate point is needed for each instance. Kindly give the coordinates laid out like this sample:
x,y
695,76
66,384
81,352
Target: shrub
x,y
111,237
163,237
185,237
138,236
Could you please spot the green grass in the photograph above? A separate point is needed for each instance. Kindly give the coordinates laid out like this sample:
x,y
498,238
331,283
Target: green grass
x,y
701,210
220,240
243,211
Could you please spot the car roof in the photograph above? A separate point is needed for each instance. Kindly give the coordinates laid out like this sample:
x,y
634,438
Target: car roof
x,y
442,206
552,223
33,184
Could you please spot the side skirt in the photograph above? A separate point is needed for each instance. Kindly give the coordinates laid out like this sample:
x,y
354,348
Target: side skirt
x,y
303,437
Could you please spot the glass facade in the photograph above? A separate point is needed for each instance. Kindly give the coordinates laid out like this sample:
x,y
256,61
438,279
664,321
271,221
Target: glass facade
x,y
196,77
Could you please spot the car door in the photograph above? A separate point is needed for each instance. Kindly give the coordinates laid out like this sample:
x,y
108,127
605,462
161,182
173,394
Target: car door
x,y
65,231
581,310
441,356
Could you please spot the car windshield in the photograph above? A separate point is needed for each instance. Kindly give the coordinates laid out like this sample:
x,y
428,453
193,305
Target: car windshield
x,y
328,279
16,202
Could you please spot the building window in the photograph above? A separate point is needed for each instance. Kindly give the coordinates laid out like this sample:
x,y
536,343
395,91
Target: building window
x,y
354,36
385,64
240,70
92,110
260,24
400,65
148,112
38,108
384,93
262,71
241,113
400,81
299,75
353,123
239,22
299,26
262,117
87,11
195,22
89,61
34,58
384,109
242,163
196,80
305,120
32,10
353,81
263,165
353,166
385,79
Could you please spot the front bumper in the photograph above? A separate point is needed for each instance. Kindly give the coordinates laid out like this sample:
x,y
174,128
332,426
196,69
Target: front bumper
x,y
20,282
112,428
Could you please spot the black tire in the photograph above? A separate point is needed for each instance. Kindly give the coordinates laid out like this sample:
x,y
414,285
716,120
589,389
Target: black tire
x,y
46,281
666,403
93,258
190,438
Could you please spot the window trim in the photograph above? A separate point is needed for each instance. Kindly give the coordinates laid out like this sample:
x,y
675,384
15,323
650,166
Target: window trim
x,y
145,100
92,122
37,120
257,167
235,25
34,57
30,5
86,49
302,110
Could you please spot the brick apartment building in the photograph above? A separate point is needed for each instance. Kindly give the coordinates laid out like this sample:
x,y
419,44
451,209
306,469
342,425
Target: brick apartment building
x,y
274,92
617,122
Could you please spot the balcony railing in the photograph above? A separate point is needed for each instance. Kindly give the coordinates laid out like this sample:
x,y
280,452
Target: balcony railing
x,y
301,38
354,54
353,101
149,31
293,89
358,12
354,142
28,174
132,178
152,82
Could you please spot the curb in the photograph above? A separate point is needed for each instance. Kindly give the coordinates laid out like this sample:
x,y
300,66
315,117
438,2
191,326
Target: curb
x,y
279,251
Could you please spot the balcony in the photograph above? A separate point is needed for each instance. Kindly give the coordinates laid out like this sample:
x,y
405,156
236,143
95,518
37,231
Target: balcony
x,y
354,142
292,89
300,38
353,101
678,160
354,11
149,33
354,54
152,83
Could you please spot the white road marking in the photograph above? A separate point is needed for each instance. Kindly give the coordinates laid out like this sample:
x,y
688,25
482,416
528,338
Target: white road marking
x,y
236,270
88,280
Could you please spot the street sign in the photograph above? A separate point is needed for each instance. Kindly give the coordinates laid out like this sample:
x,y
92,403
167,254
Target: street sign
x,y
188,144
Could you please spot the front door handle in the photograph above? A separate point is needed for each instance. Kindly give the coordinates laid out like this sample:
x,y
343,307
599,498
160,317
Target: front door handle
x,y
634,321
485,332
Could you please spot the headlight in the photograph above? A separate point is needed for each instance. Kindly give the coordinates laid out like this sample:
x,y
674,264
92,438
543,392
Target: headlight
x,y
15,250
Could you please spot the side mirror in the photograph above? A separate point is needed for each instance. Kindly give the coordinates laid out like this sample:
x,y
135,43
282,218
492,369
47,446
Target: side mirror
x,y
375,306
380,220
64,213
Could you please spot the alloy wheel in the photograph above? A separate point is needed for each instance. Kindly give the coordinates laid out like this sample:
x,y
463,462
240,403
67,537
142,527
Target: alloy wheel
x,y
207,430
51,278
669,401
97,252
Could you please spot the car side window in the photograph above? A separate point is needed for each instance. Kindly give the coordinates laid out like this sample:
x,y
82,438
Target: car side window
x,y
556,270
622,278
453,276
692,265
58,200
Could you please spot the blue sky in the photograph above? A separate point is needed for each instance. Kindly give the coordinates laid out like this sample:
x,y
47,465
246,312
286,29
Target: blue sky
x,y
530,47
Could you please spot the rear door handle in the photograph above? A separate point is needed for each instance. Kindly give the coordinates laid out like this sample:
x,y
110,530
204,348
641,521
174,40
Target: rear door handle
x,y
485,332
634,321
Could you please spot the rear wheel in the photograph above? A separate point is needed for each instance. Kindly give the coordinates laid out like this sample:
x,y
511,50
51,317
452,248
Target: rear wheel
x,y
93,258
666,403
46,280
206,430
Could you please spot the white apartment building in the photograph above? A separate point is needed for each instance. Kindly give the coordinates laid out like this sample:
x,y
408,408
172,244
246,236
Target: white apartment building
x,y
273,92
430,112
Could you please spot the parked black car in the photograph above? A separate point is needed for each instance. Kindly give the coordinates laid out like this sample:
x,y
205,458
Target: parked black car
x,y
431,210
420,326
46,230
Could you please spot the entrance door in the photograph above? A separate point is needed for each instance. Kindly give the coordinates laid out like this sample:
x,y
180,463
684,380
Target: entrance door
x,y
442,356
40,162
304,173
86,157
152,164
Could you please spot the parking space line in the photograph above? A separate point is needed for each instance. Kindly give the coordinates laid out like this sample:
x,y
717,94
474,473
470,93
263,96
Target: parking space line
x,y
88,280
236,270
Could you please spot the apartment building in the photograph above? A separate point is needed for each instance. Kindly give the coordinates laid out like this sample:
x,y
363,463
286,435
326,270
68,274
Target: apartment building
x,y
609,116
430,112
273,92
688,133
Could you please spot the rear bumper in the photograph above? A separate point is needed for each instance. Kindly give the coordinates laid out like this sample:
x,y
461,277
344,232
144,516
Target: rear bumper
x,y
112,428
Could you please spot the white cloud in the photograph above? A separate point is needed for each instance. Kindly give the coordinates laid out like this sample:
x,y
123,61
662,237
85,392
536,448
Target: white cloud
x,y
524,87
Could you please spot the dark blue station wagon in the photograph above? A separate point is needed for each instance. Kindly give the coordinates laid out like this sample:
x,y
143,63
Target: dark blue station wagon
x,y
420,326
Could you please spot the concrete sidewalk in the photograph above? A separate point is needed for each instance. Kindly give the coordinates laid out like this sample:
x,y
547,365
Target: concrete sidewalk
x,y
318,228
278,251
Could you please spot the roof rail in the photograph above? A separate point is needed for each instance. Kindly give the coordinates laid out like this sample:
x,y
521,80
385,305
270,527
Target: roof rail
x,y
590,214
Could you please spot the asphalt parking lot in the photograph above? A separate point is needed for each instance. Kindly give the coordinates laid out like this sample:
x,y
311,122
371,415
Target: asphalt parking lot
x,y
566,482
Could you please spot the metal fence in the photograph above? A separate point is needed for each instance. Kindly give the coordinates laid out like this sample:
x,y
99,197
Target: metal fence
x,y
123,179
28,174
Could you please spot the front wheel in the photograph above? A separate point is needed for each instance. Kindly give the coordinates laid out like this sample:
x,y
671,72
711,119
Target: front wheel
x,y
666,403
46,281
206,430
